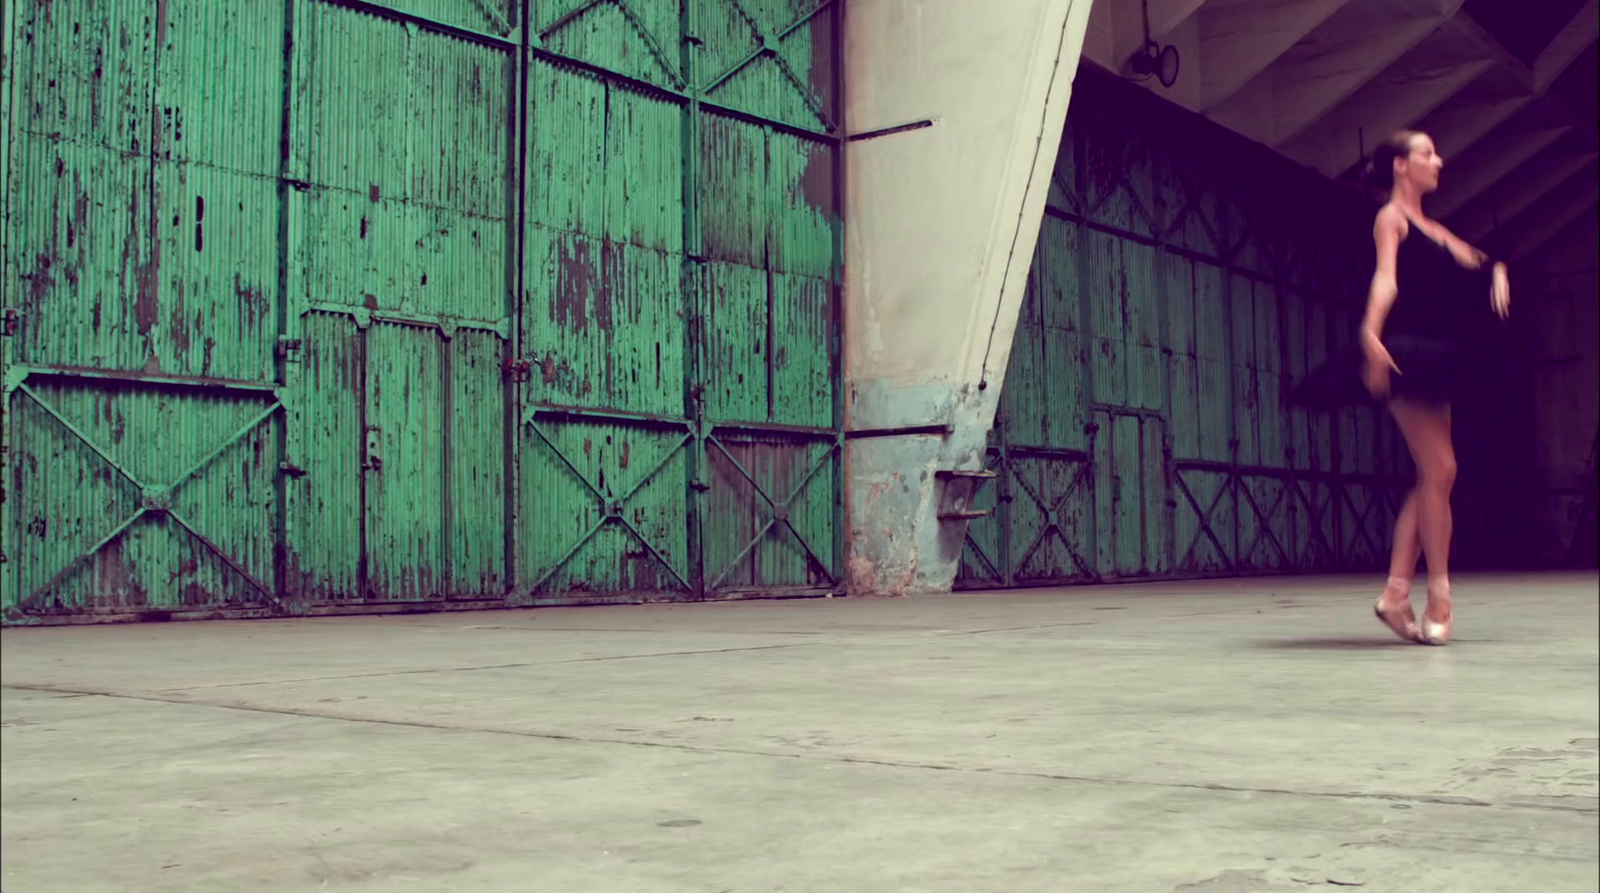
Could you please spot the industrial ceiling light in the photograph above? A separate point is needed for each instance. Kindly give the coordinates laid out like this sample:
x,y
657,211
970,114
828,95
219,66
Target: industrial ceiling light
x,y
1155,59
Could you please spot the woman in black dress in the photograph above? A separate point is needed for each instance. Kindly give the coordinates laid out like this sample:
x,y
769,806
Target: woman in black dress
x,y
1428,294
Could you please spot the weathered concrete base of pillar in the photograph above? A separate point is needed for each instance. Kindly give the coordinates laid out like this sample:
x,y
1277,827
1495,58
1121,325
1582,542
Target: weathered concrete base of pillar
x,y
898,546
957,110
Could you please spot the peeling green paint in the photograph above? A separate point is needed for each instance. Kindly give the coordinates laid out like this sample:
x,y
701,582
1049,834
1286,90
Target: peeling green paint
x,y
457,300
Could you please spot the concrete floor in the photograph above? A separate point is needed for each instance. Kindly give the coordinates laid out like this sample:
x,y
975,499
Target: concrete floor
x,y
1221,737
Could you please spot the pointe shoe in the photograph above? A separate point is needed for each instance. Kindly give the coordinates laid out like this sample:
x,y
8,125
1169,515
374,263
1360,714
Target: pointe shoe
x,y
1395,611
1435,632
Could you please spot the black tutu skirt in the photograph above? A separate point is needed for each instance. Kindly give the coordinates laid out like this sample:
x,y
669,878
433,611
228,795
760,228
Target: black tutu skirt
x,y
1432,370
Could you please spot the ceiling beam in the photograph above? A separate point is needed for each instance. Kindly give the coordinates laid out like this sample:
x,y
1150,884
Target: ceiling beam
x,y
1570,253
1468,27
1399,97
1239,39
1516,192
1569,43
1458,125
1322,71
1486,104
1466,177
1549,216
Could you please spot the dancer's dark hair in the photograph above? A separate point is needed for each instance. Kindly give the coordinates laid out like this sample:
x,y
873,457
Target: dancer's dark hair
x,y
1379,176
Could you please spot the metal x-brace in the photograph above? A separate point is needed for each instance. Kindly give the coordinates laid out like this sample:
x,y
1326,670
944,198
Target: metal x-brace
x,y
153,500
1052,519
780,509
611,508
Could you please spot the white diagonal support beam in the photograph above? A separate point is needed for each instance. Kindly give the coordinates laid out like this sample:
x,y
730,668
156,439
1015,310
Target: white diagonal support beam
x,y
1324,69
1239,39
1467,119
1466,177
1516,192
1549,216
1401,95
1569,43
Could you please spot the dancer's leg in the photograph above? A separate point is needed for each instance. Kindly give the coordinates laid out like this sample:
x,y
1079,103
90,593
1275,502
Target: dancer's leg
x,y
1427,433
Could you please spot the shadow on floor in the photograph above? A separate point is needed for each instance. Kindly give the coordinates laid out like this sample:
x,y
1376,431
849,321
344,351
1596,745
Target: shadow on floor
x,y
1349,644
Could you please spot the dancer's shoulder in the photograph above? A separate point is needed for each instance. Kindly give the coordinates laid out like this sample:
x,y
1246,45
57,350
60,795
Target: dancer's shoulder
x,y
1391,219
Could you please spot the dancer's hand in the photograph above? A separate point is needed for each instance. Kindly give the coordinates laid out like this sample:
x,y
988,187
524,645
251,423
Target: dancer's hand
x,y
1375,373
1500,292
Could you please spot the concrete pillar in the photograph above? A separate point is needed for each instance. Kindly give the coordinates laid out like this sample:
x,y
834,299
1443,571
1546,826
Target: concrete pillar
x,y
955,111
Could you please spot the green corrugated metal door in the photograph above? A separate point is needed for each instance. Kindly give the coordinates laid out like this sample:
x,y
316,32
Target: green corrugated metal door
x,y
400,249
322,302
679,320
142,414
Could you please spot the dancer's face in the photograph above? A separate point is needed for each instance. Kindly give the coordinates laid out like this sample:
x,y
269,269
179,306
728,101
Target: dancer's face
x,y
1421,167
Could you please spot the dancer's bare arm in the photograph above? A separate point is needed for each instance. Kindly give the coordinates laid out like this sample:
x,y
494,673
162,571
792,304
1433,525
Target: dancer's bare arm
x,y
1387,231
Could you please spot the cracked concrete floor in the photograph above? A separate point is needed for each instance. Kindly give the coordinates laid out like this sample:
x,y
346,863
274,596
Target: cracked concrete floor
x,y
1229,737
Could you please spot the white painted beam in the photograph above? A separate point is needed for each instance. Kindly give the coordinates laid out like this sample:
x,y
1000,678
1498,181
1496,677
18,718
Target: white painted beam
x,y
1322,71
1569,43
1515,193
1239,39
1493,157
1547,218
1461,123
1399,97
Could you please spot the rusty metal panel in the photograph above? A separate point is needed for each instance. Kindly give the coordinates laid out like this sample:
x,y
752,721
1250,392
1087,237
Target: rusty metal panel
x,y
498,18
160,155
1273,409
769,510
1155,495
773,58
1185,410
1213,359
406,214
402,456
1106,275
129,498
324,533
475,519
637,38
1051,517
603,312
603,507
1117,180
1141,328
1063,378
1246,379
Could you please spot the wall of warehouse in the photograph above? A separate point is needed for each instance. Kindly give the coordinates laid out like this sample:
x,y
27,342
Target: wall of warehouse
x,y
324,306
1184,279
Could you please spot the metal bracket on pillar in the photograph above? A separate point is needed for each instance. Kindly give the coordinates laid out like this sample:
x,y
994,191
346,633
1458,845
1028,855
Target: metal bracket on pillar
x,y
955,498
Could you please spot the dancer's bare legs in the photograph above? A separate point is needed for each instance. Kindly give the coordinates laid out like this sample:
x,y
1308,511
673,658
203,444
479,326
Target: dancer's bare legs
x,y
1427,433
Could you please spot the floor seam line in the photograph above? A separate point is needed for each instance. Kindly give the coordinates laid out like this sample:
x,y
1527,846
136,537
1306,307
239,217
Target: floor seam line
x,y
892,764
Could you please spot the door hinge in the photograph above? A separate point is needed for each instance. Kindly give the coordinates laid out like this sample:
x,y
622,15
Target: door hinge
x,y
12,319
287,346
518,371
